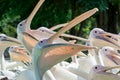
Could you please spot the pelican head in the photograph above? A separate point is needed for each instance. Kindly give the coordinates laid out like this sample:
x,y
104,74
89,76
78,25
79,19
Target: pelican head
x,y
95,33
21,27
25,24
107,50
108,38
98,68
111,54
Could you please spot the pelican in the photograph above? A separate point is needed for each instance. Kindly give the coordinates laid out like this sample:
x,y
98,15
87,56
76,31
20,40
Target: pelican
x,y
99,72
6,41
44,56
43,53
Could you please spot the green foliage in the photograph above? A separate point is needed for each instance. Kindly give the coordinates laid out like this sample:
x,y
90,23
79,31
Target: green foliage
x,y
8,24
51,13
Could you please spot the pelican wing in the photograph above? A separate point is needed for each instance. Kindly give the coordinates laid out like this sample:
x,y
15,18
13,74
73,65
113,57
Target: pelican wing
x,y
23,57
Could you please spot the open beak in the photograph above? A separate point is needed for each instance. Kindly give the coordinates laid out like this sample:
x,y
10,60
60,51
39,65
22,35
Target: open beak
x,y
29,19
72,23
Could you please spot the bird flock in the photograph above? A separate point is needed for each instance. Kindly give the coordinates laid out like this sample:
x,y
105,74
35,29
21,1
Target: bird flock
x,y
40,54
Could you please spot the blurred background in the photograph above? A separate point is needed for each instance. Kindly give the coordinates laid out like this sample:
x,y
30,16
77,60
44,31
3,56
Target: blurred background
x,y
55,12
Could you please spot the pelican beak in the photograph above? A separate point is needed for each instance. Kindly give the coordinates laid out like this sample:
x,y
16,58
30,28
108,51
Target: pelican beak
x,y
112,38
115,57
29,19
109,68
72,23
10,39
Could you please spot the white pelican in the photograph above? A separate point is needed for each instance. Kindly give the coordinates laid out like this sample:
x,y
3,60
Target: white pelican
x,y
47,55
43,55
6,41
100,72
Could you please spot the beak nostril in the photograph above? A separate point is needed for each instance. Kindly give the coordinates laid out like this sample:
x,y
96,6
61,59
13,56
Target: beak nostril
x,y
109,36
96,67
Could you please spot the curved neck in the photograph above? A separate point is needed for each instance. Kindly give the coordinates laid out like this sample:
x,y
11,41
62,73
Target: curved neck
x,y
37,72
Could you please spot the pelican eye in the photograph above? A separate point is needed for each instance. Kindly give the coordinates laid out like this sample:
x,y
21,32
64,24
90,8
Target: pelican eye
x,y
96,67
95,31
20,24
42,30
105,49
41,41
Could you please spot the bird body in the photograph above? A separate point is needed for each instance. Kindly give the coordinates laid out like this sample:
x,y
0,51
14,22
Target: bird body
x,y
63,74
